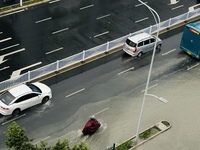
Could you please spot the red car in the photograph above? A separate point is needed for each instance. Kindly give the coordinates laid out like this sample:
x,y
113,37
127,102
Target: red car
x,y
91,127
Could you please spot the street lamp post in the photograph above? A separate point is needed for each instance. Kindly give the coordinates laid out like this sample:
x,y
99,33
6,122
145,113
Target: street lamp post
x,y
151,65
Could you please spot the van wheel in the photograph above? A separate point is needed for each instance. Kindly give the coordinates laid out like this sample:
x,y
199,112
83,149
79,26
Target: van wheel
x,y
158,48
45,99
140,54
16,112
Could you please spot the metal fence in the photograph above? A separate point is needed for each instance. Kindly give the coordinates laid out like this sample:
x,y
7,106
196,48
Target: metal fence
x,y
60,64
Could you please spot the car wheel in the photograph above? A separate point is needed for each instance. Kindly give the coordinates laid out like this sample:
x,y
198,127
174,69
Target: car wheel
x,y
16,112
158,48
45,99
140,54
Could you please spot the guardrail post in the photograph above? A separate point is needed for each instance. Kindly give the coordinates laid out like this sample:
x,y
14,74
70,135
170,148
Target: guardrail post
x,y
150,29
57,65
169,22
83,59
107,47
130,34
187,14
29,75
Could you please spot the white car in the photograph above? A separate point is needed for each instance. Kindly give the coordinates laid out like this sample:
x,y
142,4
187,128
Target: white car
x,y
24,96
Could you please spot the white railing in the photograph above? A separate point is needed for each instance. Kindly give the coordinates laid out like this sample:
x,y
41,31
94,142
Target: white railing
x,y
60,64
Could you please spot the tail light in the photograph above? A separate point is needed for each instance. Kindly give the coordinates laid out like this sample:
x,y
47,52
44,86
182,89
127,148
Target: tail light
x,y
4,108
134,49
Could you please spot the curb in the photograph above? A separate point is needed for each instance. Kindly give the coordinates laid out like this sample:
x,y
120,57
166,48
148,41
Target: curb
x,y
161,127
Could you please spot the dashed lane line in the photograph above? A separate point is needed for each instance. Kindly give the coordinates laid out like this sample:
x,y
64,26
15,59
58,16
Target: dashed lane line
x,y
6,39
168,52
75,92
54,50
9,47
42,20
60,31
150,87
103,16
101,34
141,20
13,119
177,7
193,66
125,71
87,7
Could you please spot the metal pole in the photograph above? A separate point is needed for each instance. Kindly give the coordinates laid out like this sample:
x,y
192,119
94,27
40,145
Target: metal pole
x,y
150,69
20,2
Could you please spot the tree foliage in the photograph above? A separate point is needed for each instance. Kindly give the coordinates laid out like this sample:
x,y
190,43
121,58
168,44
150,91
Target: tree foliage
x,y
17,140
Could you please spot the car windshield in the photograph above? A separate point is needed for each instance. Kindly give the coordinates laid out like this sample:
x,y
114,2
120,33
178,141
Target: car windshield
x,y
130,43
7,98
34,88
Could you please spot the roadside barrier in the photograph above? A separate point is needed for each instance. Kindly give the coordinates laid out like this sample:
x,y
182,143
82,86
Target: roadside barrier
x,y
98,51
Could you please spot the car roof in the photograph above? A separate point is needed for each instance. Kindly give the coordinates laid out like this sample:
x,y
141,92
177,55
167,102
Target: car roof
x,y
138,37
19,90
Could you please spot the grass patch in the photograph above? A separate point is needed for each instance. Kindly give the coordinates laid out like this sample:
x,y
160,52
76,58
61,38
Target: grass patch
x,y
166,123
126,145
148,133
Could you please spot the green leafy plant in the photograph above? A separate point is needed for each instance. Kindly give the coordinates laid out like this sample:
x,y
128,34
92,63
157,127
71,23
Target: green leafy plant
x,y
148,133
125,146
17,140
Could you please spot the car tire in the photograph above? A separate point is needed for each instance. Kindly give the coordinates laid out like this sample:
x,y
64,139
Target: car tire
x,y
158,48
139,54
16,112
45,99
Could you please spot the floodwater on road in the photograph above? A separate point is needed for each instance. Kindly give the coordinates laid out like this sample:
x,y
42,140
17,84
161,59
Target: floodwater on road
x,y
180,88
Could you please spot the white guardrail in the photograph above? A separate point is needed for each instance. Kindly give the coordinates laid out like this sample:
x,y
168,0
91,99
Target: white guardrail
x,y
60,64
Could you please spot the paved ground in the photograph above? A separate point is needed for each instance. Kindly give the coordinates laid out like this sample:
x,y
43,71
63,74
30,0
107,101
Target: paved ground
x,y
120,120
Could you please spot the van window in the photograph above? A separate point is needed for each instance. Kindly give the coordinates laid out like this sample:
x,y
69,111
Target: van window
x,y
130,43
146,42
152,40
140,44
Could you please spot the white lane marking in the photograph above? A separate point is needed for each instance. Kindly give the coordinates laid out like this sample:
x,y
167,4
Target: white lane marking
x,y
103,16
75,92
54,1
42,140
140,4
101,111
168,52
4,68
193,66
177,7
125,71
150,87
9,47
43,20
12,13
54,50
17,72
60,31
1,32
6,39
141,19
101,34
13,119
87,7
2,56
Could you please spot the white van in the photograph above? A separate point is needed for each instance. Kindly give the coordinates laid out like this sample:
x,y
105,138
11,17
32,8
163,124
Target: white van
x,y
141,43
